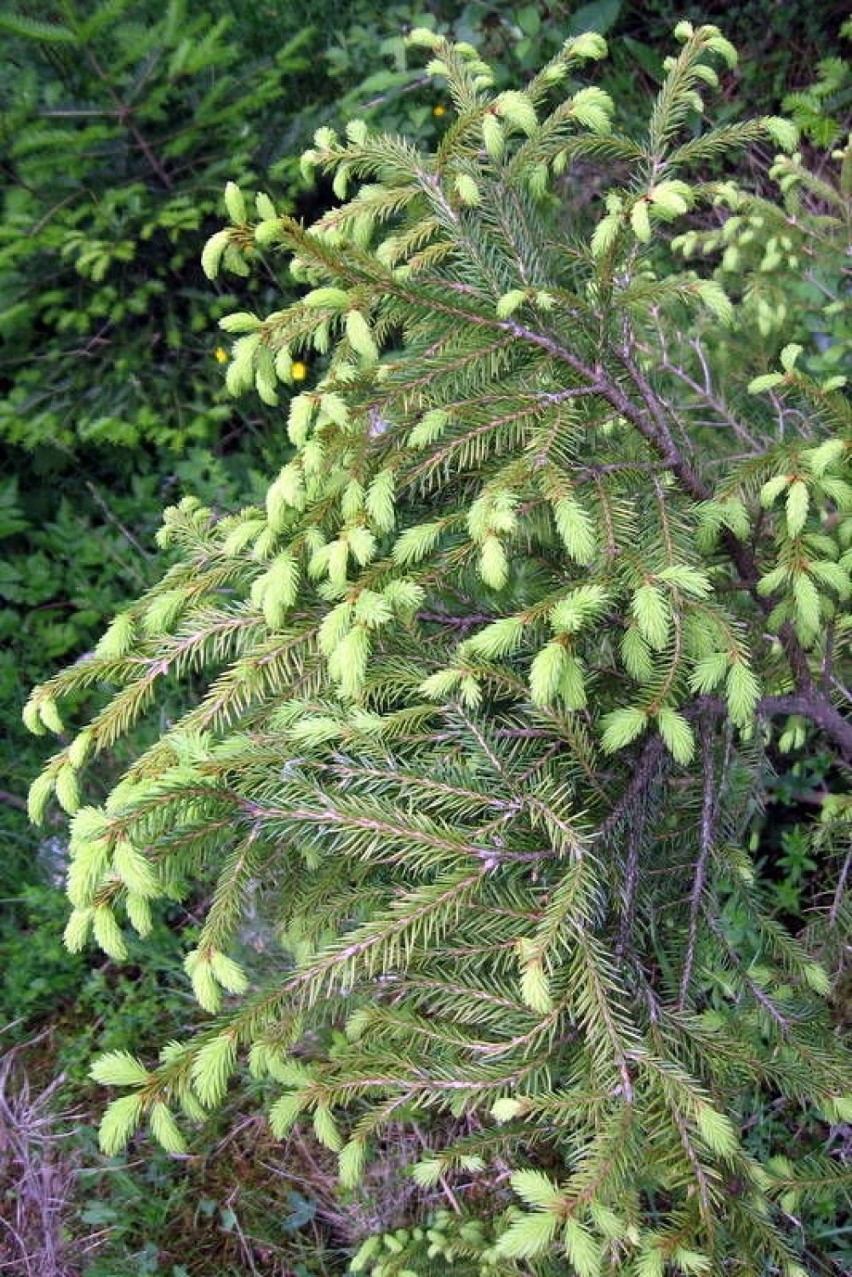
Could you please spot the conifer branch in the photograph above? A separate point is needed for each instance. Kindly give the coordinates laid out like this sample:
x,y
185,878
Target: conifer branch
x,y
466,677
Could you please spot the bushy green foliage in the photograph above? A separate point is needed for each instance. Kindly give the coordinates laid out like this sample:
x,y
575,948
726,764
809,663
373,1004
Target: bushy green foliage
x,y
114,121
494,676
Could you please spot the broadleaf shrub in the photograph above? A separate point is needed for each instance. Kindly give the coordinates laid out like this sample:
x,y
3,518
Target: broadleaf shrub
x,y
495,676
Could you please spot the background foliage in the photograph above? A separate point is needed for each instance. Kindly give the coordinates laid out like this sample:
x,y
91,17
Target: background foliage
x,y
114,406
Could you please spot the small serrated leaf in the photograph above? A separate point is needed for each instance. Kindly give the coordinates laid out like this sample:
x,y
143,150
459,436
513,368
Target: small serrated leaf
x,y
118,1068
325,1129
717,1131
535,1189
622,726
546,673
350,1163
529,1236
165,1130
677,735
798,503
285,1112
119,1122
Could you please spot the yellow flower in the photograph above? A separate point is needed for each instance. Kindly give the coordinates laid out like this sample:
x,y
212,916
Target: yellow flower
x,y
220,354
298,370
439,110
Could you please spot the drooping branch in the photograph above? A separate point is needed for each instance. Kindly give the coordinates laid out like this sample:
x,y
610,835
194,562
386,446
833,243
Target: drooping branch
x,y
650,422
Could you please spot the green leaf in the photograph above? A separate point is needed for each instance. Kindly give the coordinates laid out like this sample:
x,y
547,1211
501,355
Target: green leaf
x,y
235,203
677,735
493,564
518,109
134,870
430,428
692,1261
572,684
325,1129
716,43
577,608
546,673
509,302
767,381
772,581
742,692
838,1108
535,988
708,672
76,931
139,914
501,638
636,655
118,1068
241,321
789,355
576,529
119,1122
622,726
214,249
782,132
589,44
117,640
468,191
416,543
535,1188
493,136
607,1221
165,1130
717,1131
817,979
529,1236
361,543
440,685
825,455
379,501
798,502
640,220
506,1109
372,609
833,575
649,1262
427,1172
212,1067
361,337
605,234
651,610
285,1112
350,1163
347,664
108,933
67,789
326,299
672,198
716,300
807,604
228,972
582,1249
692,581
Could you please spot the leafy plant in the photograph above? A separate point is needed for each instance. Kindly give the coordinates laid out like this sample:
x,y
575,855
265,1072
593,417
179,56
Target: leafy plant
x,y
118,124
492,673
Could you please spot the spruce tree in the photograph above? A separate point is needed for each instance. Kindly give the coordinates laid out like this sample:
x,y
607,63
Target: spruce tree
x,y
494,681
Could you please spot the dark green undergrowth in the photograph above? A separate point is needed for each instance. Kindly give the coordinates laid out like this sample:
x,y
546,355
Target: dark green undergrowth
x,y
119,124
